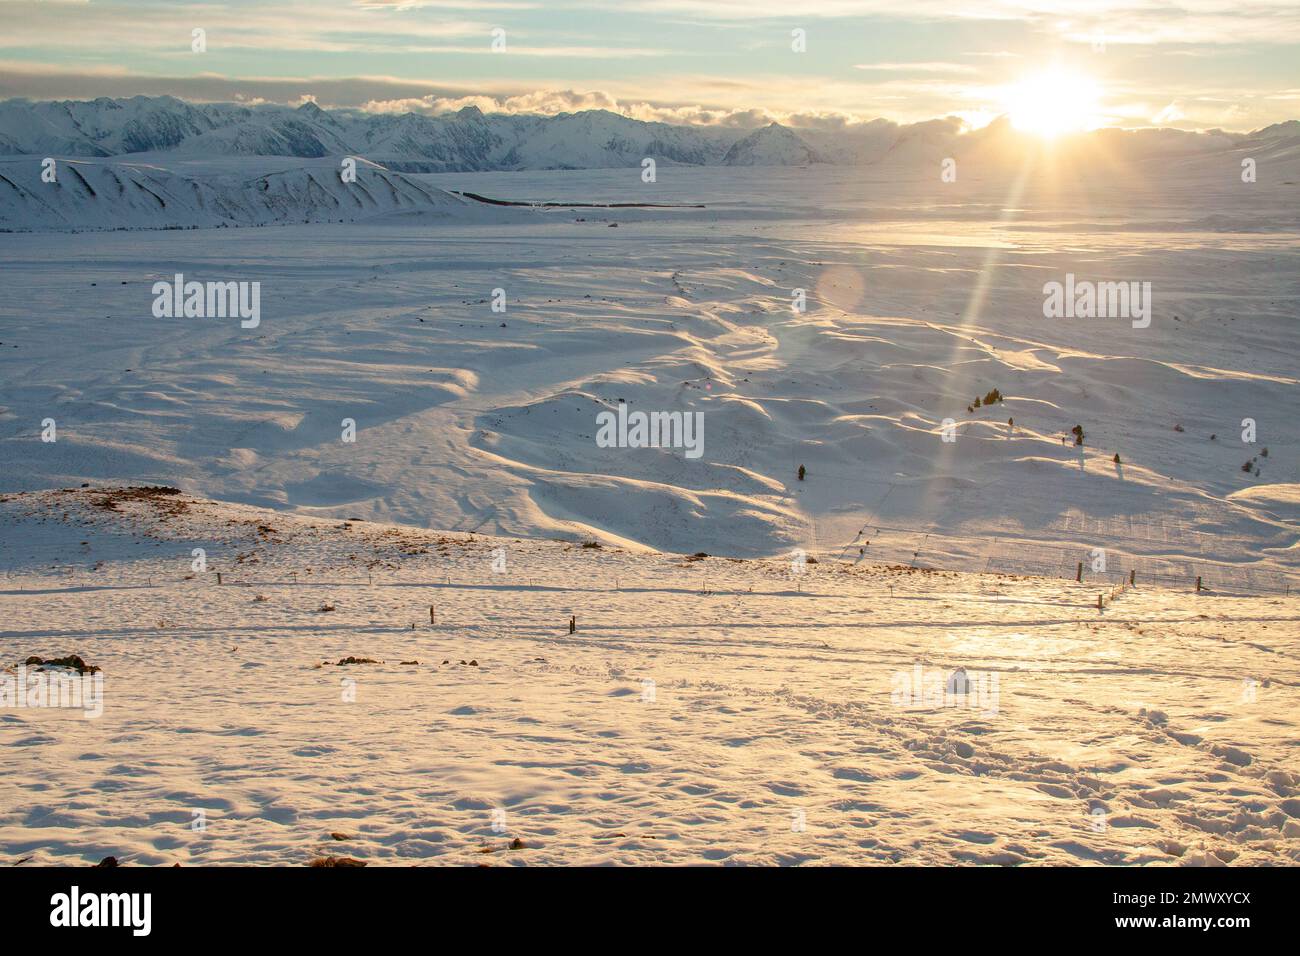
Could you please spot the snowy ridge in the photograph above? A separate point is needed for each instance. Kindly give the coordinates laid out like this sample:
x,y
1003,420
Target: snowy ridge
x,y
773,145
470,140
114,195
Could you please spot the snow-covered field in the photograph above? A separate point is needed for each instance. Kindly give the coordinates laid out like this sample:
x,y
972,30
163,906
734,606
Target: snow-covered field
x,y
1169,713
470,419
706,710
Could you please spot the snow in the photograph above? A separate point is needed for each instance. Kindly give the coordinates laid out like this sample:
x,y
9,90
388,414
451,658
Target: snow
x,y
103,194
469,139
1159,731
1168,711
773,145
473,419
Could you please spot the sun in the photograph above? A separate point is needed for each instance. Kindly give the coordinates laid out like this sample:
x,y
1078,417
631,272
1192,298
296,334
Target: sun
x,y
1053,102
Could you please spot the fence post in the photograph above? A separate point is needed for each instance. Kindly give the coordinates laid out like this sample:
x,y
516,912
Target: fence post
x,y
1098,602
1198,582
431,619
218,577
1131,577
1078,574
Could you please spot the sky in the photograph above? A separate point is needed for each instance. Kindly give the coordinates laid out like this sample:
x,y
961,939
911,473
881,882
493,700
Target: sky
x,y
1233,64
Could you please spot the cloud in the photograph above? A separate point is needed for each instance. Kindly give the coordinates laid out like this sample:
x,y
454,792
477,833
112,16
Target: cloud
x,y
547,102
401,5
295,26
570,52
164,29
1146,22
1216,109
550,102
1170,114
931,67
696,101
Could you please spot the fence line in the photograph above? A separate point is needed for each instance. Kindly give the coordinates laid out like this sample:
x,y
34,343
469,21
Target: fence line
x,y
1116,579
927,548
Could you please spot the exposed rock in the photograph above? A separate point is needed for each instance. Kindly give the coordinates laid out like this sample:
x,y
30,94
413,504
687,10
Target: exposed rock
x,y
72,661
336,861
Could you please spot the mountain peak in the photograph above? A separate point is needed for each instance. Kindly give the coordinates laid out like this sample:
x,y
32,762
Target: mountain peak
x,y
771,145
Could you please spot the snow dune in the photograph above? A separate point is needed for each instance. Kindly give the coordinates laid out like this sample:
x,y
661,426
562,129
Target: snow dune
x,y
474,419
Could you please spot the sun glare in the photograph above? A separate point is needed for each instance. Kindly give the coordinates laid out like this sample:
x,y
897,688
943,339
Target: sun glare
x,y
1054,102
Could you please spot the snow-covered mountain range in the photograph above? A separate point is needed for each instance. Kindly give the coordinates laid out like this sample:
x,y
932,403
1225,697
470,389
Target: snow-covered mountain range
x,y
410,142
470,140
160,162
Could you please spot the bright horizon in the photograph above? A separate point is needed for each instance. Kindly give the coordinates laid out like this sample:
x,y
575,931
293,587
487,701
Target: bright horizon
x,y
1052,67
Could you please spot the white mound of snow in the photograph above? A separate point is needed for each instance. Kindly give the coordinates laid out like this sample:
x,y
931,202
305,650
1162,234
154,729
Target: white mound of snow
x,y
104,194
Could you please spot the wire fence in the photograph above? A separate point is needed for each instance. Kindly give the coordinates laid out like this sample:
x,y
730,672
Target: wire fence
x,y
922,548
887,546
1153,549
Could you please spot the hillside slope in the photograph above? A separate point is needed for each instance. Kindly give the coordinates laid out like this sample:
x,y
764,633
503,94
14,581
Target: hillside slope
x,y
704,711
773,145
103,194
